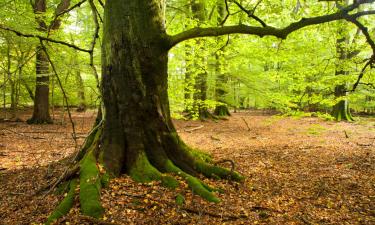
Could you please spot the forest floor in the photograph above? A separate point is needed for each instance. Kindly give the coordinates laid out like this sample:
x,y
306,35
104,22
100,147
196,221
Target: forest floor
x,y
298,171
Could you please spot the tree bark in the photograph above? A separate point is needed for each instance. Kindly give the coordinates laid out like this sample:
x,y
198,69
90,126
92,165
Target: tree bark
x,y
137,136
221,79
41,101
200,61
341,110
81,93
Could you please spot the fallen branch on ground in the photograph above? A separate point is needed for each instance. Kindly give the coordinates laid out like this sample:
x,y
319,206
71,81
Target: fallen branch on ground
x,y
193,129
247,125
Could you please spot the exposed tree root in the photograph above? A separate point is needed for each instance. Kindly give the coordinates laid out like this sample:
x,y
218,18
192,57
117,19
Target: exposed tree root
x,y
166,154
66,204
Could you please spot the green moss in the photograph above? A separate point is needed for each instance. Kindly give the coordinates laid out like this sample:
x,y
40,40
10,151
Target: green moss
x,y
201,155
216,171
142,170
180,200
197,188
90,185
66,204
90,141
194,183
169,182
62,188
105,178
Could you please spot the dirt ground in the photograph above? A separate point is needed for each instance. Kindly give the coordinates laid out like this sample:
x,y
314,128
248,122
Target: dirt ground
x,y
298,171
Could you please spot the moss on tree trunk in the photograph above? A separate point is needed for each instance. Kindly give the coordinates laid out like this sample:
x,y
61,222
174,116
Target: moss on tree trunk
x,y
341,111
136,135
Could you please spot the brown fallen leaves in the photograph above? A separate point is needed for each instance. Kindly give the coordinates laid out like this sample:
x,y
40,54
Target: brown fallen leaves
x,y
299,171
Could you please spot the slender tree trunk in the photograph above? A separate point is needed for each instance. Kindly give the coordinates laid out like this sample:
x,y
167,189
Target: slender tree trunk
x,y
200,62
41,98
221,79
41,101
81,92
341,110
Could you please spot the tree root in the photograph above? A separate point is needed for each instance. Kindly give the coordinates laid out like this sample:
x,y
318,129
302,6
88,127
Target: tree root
x,y
66,204
90,185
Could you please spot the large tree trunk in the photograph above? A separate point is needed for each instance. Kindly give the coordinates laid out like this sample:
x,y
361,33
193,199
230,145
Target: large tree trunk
x,y
137,135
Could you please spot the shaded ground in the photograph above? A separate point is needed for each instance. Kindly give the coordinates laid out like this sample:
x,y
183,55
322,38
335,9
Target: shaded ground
x,y
299,171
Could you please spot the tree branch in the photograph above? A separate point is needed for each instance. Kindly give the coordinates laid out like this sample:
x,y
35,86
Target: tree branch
x,y
61,10
18,33
250,13
269,30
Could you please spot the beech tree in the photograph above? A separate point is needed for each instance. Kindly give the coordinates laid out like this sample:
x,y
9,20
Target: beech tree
x,y
41,100
136,135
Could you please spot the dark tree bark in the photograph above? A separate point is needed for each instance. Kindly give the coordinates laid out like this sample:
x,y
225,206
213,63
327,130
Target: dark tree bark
x,y
81,92
41,101
136,135
41,96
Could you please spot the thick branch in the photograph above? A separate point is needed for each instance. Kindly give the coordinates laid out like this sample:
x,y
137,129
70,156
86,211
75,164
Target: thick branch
x,y
269,30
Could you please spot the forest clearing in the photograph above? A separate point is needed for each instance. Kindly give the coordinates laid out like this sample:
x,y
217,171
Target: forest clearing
x,y
298,171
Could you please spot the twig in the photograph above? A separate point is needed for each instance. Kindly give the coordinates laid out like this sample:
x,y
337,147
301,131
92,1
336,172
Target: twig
x,y
250,13
18,33
24,135
95,14
247,125
193,129
232,168
63,91
346,134
68,173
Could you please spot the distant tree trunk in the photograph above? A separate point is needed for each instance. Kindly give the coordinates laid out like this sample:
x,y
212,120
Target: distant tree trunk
x,y
13,109
341,110
41,97
81,92
188,81
41,101
221,78
200,83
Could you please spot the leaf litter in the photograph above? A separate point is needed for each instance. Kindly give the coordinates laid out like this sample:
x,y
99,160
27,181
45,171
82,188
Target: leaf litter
x,y
298,171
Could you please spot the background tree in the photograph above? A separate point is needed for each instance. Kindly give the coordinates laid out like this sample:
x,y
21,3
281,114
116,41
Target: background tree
x,y
41,100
